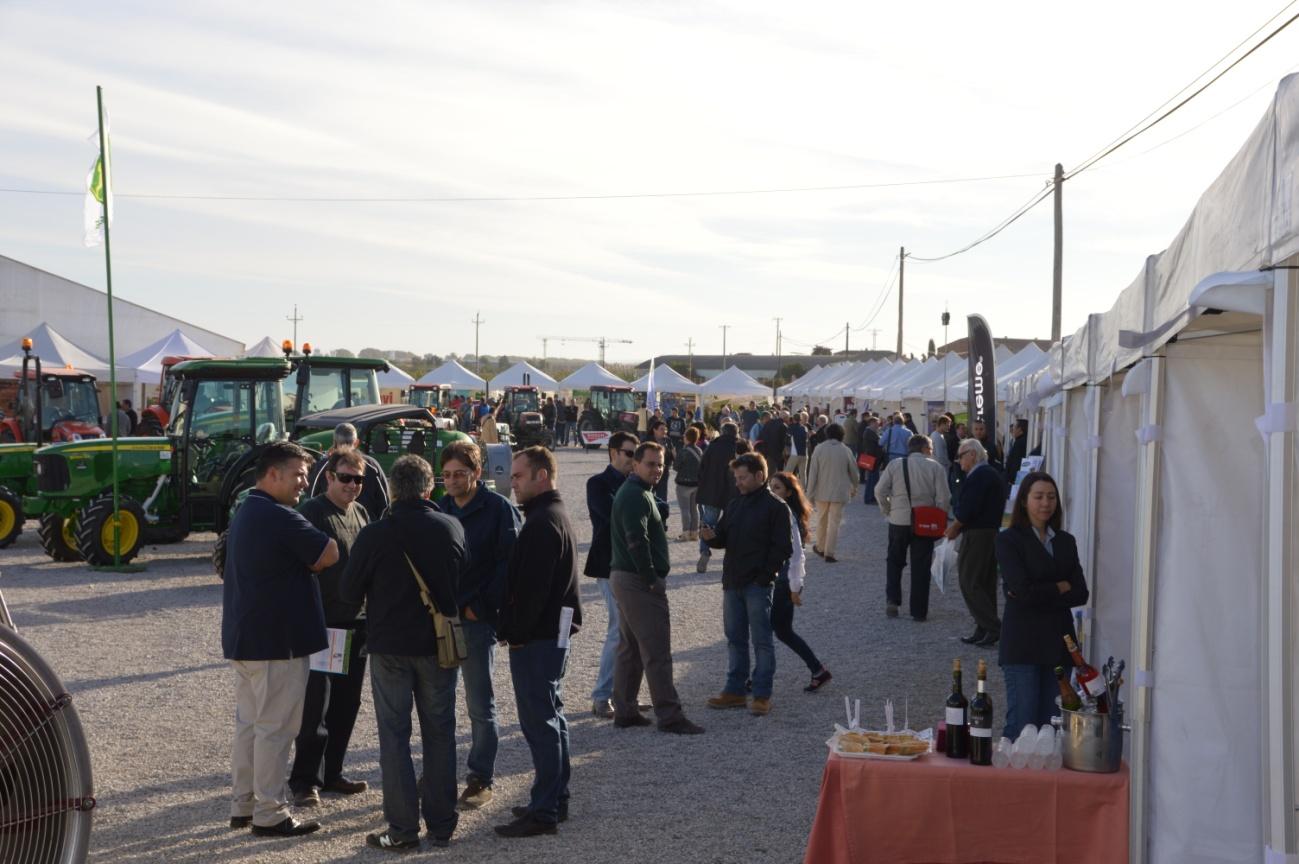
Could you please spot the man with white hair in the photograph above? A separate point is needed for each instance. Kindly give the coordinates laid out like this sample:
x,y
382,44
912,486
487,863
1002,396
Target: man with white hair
x,y
977,519
374,488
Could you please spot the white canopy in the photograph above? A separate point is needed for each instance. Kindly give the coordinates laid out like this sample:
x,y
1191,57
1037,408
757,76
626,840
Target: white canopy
x,y
802,386
55,351
666,380
266,347
522,374
589,376
394,378
453,375
145,365
733,382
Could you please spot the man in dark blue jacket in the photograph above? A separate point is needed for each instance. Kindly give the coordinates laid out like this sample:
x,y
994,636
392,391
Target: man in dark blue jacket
x,y
600,491
491,525
978,513
414,542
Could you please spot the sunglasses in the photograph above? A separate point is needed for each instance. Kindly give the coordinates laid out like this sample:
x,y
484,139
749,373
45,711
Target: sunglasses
x,y
630,454
358,479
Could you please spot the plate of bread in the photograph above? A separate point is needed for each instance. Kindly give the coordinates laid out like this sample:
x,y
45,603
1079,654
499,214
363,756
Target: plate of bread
x,y
903,746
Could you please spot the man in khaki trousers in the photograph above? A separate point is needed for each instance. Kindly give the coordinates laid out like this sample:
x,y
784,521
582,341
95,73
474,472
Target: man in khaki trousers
x,y
272,620
831,483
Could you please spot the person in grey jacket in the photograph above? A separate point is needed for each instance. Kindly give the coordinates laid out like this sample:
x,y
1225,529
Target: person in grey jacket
x,y
689,458
928,488
831,483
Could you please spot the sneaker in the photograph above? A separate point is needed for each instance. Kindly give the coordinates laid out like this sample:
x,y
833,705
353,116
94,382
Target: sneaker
x,y
343,786
385,840
476,794
309,797
891,610
701,566
682,727
819,680
761,706
728,700
602,708
526,826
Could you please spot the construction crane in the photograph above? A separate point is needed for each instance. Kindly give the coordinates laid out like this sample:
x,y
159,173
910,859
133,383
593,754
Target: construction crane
x,y
603,341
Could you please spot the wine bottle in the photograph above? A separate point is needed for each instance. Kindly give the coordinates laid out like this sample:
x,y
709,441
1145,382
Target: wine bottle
x,y
981,720
1069,700
1089,679
957,705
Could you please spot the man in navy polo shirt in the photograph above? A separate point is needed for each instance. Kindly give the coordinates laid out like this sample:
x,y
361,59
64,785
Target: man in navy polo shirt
x,y
272,620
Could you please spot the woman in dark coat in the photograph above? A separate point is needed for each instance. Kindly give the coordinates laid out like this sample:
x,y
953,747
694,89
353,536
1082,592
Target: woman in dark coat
x,y
1043,581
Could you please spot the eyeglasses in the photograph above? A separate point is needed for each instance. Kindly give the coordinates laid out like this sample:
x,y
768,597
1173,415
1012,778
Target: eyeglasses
x,y
358,479
630,454
462,474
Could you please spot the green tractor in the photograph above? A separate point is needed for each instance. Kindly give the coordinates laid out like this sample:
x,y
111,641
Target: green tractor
x,y
223,414
329,383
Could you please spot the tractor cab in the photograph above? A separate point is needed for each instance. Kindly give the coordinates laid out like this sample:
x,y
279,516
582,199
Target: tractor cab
x,y
608,409
329,383
49,405
434,397
155,418
521,410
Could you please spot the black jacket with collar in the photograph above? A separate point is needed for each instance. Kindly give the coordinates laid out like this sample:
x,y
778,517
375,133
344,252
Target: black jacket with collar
x,y
543,574
755,532
716,482
1037,616
600,492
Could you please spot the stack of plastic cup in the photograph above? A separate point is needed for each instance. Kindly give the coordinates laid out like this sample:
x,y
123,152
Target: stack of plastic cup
x,y
1025,745
1042,748
1001,752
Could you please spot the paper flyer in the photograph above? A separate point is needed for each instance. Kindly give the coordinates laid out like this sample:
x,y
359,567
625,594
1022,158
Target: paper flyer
x,y
335,659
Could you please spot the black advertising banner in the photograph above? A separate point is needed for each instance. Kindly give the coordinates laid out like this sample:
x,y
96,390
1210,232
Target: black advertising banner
x,y
983,379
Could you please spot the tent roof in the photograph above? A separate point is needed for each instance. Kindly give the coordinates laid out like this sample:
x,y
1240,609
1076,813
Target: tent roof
x,y
734,382
455,376
54,351
265,347
521,374
590,375
395,377
146,363
666,380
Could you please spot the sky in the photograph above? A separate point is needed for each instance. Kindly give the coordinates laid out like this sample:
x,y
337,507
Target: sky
x,y
554,100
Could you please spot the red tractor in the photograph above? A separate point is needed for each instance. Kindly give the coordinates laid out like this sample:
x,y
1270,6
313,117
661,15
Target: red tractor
x,y
49,406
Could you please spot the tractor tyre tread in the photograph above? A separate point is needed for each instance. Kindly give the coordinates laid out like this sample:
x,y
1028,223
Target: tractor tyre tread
x,y
8,498
50,532
90,523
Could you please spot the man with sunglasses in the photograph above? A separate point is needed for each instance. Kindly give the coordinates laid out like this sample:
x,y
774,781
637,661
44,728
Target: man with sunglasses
x,y
332,701
491,526
600,492
374,491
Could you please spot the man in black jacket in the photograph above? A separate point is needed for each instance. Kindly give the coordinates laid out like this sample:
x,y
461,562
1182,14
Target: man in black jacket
x,y
716,485
600,491
540,613
414,542
755,531
869,444
774,442
1018,448
978,513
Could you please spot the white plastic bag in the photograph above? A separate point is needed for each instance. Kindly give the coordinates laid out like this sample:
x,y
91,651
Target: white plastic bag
x,y
943,567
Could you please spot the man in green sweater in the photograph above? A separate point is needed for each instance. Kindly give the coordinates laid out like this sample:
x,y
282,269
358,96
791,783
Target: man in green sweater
x,y
638,578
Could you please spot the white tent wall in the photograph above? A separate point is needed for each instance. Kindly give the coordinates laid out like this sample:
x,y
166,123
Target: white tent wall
x,y
1110,574
1205,764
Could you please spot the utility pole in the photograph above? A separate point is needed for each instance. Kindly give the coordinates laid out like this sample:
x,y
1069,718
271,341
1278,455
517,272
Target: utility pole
x,y
902,260
478,360
724,327
775,379
875,337
1057,275
690,362
845,339
544,340
295,319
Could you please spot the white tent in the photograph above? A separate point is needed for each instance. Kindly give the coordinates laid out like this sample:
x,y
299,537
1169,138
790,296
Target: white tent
x,y
145,365
394,378
522,374
55,351
265,347
734,382
1191,561
453,375
794,388
667,380
589,376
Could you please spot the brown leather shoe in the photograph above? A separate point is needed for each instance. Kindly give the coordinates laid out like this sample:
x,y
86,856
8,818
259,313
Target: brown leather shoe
x,y
343,786
728,700
760,707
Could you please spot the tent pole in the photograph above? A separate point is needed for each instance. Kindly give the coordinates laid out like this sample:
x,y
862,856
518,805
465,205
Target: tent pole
x,y
1143,613
1093,410
1282,555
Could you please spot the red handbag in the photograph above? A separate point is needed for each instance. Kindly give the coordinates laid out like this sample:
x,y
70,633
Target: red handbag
x,y
866,462
925,521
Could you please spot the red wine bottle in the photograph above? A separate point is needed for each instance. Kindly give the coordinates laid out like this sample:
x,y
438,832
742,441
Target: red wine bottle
x,y
981,720
1088,678
957,706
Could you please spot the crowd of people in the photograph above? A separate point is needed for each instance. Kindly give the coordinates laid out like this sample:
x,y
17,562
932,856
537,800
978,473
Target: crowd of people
x,y
377,558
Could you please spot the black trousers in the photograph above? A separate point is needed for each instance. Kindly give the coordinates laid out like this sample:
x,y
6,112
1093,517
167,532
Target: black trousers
x,y
782,625
328,716
902,541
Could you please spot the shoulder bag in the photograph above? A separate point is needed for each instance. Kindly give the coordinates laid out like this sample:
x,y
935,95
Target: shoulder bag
x,y
450,632
925,521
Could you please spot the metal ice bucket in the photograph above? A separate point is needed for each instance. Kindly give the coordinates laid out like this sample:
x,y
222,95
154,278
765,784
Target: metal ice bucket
x,y
1092,742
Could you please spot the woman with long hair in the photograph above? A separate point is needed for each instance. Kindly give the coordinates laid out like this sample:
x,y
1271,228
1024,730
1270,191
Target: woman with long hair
x,y
1043,579
789,585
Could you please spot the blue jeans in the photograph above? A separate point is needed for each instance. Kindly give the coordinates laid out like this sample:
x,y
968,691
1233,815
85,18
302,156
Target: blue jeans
x,y
872,478
1030,696
480,700
746,614
604,678
538,671
708,515
399,683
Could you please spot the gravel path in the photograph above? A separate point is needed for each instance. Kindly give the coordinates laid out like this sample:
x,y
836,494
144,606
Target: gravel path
x,y
141,655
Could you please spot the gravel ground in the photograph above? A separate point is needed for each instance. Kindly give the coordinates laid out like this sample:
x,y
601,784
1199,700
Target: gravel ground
x,y
141,655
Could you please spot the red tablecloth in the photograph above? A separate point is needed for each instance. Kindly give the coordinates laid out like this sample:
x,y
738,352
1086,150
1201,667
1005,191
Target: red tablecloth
x,y
937,810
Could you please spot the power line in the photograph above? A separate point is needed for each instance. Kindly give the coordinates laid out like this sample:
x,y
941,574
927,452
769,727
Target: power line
x,y
1014,217
883,295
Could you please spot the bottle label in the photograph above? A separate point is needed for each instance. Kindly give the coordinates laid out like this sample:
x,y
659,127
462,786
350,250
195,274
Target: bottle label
x,y
980,732
1095,687
955,717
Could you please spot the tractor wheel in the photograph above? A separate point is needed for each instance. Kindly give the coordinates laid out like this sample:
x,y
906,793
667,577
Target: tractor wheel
x,y
219,555
95,530
58,538
150,427
11,517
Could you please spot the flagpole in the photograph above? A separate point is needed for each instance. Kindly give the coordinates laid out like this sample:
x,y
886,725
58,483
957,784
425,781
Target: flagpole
x,y
112,358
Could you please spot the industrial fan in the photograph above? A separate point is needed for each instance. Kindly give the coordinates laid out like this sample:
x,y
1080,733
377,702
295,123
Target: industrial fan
x,y
46,795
